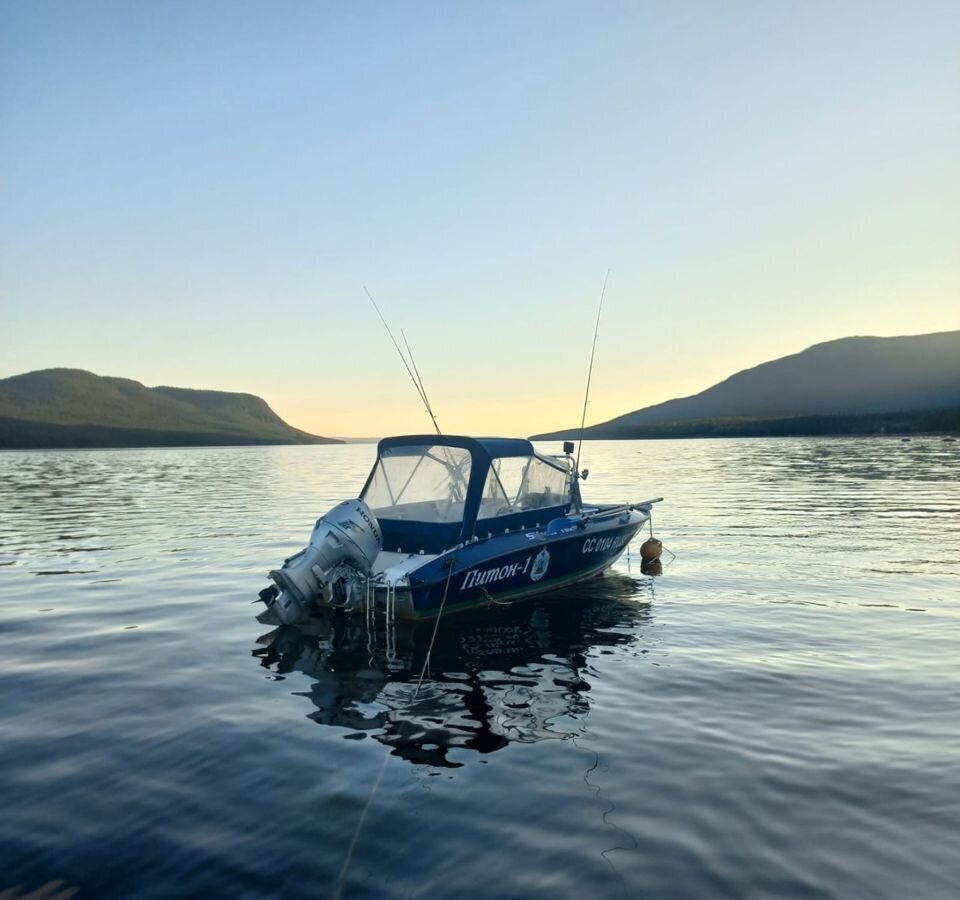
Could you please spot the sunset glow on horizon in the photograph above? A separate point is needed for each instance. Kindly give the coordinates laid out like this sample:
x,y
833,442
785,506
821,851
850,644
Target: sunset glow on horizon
x,y
195,195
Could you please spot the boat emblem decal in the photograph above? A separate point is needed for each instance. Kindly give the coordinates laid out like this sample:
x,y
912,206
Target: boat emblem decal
x,y
540,565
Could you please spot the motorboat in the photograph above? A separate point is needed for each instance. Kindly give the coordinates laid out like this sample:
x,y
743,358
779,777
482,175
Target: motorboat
x,y
446,523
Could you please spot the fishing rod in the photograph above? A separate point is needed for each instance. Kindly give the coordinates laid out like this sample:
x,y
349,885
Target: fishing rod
x,y
593,352
416,371
417,383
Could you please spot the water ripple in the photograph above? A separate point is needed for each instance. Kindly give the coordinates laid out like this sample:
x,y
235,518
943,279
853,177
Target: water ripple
x,y
773,716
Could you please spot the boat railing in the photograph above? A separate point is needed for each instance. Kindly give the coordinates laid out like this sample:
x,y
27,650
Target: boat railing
x,y
603,512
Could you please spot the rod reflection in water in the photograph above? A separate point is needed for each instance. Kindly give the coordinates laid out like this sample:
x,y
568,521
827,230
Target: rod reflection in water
x,y
504,674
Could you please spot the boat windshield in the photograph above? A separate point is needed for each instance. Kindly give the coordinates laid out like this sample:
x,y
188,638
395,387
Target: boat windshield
x,y
424,483
520,483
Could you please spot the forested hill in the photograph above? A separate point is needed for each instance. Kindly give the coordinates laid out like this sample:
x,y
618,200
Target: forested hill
x,y
847,378
74,408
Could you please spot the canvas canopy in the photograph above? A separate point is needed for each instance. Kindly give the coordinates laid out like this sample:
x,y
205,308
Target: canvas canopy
x,y
432,492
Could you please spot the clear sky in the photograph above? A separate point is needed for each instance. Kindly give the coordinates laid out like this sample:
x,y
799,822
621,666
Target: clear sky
x,y
194,194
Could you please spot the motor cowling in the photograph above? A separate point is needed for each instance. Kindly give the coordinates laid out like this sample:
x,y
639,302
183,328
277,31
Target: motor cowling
x,y
342,549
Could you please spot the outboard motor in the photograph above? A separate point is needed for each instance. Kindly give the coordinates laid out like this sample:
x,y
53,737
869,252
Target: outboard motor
x,y
343,546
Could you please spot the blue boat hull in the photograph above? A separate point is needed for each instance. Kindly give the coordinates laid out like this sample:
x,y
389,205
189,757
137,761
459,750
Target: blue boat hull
x,y
513,566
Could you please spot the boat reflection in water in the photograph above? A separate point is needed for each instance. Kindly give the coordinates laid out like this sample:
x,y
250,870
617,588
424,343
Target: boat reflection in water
x,y
496,675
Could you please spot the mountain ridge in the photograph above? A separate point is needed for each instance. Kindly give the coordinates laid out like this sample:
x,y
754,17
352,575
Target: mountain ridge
x,y
65,407
850,376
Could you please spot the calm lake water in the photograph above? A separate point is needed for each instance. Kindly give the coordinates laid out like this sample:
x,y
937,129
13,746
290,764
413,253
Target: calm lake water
x,y
776,715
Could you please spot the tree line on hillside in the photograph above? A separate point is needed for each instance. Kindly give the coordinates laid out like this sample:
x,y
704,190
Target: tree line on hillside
x,y
939,421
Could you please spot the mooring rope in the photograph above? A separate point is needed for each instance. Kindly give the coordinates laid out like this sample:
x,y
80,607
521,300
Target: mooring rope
x,y
436,625
348,858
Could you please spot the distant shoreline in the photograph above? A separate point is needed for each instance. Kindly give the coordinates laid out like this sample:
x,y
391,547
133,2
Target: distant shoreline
x,y
897,424
890,437
76,409
736,437
854,385
20,434
155,447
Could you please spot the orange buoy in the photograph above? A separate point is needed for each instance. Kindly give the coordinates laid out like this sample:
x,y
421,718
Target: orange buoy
x,y
650,549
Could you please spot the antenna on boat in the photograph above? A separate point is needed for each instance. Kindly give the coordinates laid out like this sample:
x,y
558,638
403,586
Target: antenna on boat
x,y
417,383
593,351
